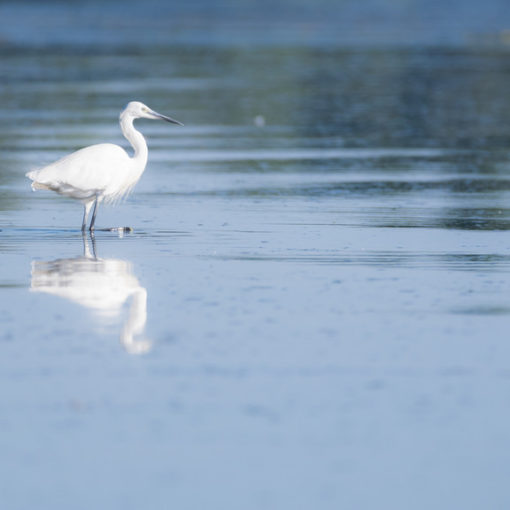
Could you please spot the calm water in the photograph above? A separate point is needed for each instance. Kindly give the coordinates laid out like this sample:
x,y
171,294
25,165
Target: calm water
x,y
312,310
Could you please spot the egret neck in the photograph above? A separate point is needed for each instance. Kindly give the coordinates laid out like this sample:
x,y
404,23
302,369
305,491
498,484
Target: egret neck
x,y
137,141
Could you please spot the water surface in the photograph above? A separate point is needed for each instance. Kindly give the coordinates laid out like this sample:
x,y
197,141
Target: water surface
x,y
312,309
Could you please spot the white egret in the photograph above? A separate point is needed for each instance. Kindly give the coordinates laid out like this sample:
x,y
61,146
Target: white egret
x,y
102,172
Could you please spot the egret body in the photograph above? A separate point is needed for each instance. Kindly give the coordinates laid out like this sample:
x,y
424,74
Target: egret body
x,y
102,172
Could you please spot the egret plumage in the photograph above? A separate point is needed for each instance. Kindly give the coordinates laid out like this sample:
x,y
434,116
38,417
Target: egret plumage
x,y
102,172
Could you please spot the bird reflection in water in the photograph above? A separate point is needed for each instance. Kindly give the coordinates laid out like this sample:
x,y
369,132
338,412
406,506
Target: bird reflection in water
x,y
101,285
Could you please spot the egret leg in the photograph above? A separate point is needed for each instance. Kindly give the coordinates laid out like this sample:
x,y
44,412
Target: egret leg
x,y
93,220
86,210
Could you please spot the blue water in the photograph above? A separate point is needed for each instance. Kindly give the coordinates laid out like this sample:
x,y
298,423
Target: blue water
x,y
311,310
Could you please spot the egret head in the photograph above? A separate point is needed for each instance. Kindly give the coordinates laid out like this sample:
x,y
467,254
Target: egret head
x,y
137,110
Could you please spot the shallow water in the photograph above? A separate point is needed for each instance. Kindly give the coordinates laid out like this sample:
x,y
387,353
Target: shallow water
x,y
312,309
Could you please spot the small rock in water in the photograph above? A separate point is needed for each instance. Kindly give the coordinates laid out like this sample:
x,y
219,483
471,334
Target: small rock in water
x,y
121,230
259,121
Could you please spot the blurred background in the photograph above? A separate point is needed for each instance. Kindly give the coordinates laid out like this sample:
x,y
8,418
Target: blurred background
x,y
312,309
370,23
384,72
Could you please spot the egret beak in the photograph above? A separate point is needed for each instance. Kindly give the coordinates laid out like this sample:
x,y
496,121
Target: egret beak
x,y
164,117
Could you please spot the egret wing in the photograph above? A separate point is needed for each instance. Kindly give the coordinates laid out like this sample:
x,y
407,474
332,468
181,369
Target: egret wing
x,y
85,173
